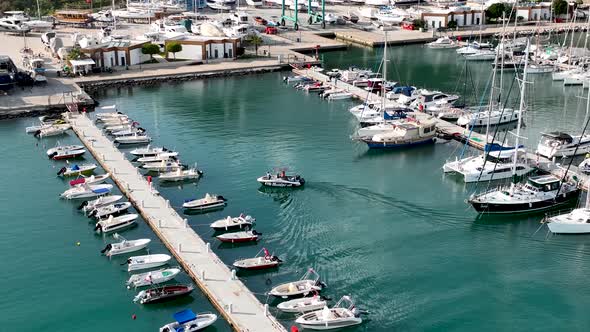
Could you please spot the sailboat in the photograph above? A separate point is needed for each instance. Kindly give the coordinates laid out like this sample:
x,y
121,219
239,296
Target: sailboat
x,y
537,194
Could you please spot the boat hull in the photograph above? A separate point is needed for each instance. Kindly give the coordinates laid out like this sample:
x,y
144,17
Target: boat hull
x,y
532,207
386,145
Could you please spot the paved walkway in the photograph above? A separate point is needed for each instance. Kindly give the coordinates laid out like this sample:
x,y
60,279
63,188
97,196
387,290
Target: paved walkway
x,y
229,295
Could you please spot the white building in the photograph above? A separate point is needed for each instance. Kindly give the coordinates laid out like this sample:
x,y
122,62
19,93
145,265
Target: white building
x,y
201,48
464,16
114,53
534,12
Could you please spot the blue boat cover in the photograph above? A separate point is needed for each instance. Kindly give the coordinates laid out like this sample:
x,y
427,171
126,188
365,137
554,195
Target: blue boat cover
x,y
100,190
497,147
75,168
405,90
398,114
185,316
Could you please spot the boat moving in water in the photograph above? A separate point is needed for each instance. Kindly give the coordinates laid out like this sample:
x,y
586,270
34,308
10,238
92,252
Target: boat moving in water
x,y
281,180
304,304
262,260
152,277
309,283
209,202
164,293
147,261
125,246
188,321
344,313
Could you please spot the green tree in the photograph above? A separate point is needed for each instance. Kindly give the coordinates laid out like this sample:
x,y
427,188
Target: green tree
x,y
495,11
452,25
419,23
74,54
150,49
173,47
255,41
560,7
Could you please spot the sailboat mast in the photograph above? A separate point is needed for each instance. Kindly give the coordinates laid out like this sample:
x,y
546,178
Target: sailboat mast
x,y
569,58
38,10
520,112
384,75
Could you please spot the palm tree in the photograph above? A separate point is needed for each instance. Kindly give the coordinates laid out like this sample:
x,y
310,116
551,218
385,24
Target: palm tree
x,y
256,41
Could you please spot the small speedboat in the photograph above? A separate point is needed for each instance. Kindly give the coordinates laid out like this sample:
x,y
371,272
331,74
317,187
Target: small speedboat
x,y
125,246
114,209
281,180
93,179
209,202
147,261
76,170
262,260
158,157
85,191
65,151
309,283
163,166
181,175
148,151
115,127
107,115
128,132
238,237
304,304
101,201
53,130
120,118
230,223
188,321
152,277
342,314
133,139
162,294
112,224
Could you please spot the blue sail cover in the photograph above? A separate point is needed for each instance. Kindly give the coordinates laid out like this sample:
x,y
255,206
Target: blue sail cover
x,y
185,316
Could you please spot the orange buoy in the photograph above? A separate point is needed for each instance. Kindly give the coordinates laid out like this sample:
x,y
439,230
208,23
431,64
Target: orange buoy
x,y
294,329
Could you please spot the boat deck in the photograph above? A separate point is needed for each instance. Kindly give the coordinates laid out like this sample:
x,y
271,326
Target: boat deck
x,y
231,297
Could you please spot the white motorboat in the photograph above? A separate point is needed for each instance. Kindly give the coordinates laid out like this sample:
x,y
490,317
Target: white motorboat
x,y
112,224
65,152
133,139
77,170
239,237
481,55
130,131
584,166
86,191
575,79
304,304
125,246
107,115
148,151
443,43
340,95
188,321
8,24
575,222
404,135
92,179
209,202
309,283
159,157
561,75
52,130
254,3
473,48
389,18
163,166
111,117
110,123
231,223
101,201
495,165
281,180
147,261
480,119
342,314
262,260
181,175
109,210
152,277
116,127
540,68
425,100
560,144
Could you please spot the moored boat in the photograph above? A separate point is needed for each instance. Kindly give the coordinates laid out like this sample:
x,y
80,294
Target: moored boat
x,y
148,151
161,294
112,224
309,283
101,201
65,151
86,191
181,175
343,314
92,179
76,170
560,144
152,277
188,321
304,304
162,166
230,223
114,209
209,202
239,237
262,260
158,157
125,246
147,261
136,138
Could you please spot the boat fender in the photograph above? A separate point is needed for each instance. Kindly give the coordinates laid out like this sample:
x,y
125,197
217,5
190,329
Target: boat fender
x,y
61,171
107,248
81,206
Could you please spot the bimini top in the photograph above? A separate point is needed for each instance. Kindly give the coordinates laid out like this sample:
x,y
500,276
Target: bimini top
x,y
185,316
559,135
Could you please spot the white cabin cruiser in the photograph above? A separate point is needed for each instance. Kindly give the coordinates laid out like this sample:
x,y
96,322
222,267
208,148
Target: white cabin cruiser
x,y
342,314
101,201
8,24
152,277
188,321
404,135
147,261
495,165
133,139
125,246
309,283
443,43
115,223
85,191
281,180
480,119
304,304
560,144
209,202
231,223
575,222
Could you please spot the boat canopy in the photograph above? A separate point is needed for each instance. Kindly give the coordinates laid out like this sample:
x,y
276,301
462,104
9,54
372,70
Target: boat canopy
x,y
498,147
404,90
185,316
559,136
100,190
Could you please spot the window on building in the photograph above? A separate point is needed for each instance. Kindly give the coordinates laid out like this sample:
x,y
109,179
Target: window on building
x,y
230,53
433,24
216,54
477,21
122,61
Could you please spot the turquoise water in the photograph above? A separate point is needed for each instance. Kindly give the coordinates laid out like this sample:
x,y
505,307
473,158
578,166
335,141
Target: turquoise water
x,y
387,228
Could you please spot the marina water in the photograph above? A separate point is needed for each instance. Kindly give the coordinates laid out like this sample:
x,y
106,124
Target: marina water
x,y
387,228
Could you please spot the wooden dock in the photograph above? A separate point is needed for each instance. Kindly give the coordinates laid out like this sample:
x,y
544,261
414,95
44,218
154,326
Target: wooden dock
x,y
229,295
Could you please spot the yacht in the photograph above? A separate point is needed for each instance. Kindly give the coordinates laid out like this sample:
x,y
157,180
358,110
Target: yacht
x,y
403,135
576,221
13,25
343,314
443,42
560,144
480,119
493,165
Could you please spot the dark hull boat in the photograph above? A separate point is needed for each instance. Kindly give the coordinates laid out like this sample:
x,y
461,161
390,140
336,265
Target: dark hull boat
x,y
162,294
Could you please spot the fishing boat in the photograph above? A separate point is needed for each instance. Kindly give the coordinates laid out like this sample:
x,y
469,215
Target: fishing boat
x,y
443,43
93,179
152,277
230,223
65,151
181,175
163,166
77,170
114,209
309,283
125,246
209,202
560,144
188,321
239,237
147,261
404,135
343,314
133,139
158,157
281,180
148,151
162,294
86,191
262,260
304,304
112,224
101,201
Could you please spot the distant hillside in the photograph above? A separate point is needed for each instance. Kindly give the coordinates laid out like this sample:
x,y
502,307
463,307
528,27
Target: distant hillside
x,y
49,6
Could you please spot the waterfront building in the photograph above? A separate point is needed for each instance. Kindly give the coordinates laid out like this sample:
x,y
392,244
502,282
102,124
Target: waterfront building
x,y
113,53
534,11
463,16
201,48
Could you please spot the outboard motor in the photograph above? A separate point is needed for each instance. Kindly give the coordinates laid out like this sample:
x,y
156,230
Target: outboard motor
x,y
81,206
275,259
62,170
107,248
256,233
140,129
97,227
222,198
37,133
199,172
52,155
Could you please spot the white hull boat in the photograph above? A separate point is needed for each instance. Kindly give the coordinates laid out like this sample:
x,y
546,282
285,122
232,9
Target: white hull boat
x,y
115,223
109,210
147,261
302,305
148,151
299,288
443,43
209,202
481,56
560,144
159,157
152,277
181,175
101,201
52,131
496,165
61,149
86,191
128,132
163,166
125,246
188,321
575,222
494,118
281,180
230,223
133,139
343,314
340,96
93,179
77,170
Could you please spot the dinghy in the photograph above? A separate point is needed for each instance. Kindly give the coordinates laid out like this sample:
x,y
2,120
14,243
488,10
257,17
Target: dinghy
x,y
101,201
342,314
162,166
304,304
239,237
125,246
148,151
147,261
76,170
93,179
114,209
281,180
62,151
133,139
162,294
85,191
152,277
309,283
158,157
181,175
188,321
209,202
262,260
230,223
115,223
